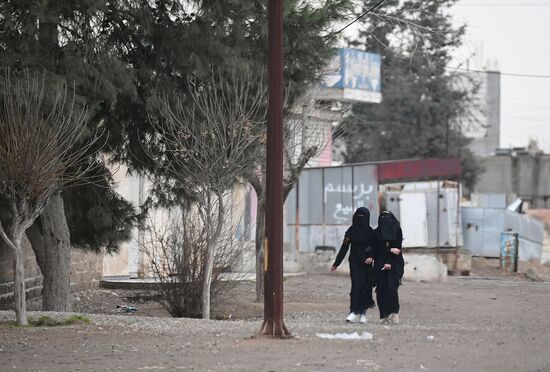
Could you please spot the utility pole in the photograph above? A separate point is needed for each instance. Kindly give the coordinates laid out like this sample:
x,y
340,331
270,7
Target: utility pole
x,y
273,324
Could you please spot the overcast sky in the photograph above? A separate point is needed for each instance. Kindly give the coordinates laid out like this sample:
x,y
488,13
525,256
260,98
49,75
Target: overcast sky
x,y
516,33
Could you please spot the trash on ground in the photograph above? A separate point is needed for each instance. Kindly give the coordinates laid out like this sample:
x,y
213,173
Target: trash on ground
x,y
127,309
346,336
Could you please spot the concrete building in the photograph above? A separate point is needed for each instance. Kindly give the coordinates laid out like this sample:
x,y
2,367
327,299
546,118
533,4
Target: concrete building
x,y
517,173
482,124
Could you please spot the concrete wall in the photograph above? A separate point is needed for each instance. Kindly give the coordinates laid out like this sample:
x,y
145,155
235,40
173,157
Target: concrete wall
x,y
132,260
485,139
525,175
86,272
128,260
420,265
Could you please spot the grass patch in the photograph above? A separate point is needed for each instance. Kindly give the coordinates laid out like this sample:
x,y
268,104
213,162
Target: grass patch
x,y
43,321
77,319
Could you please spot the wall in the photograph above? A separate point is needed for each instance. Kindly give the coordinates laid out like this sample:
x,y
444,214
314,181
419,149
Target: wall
x,y
132,259
320,207
526,175
420,265
33,277
483,226
126,262
86,269
86,272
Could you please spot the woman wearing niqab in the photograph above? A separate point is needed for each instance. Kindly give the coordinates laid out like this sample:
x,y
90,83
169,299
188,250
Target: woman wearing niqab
x,y
388,266
360,236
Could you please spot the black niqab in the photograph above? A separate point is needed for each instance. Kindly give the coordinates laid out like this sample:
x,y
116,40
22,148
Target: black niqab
x,y
388,226
360,229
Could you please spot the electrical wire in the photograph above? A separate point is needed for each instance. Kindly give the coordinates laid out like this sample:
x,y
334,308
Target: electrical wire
x,y
502,73
504,4
527,105
359,17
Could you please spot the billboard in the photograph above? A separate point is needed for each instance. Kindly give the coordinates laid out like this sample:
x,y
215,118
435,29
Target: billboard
x,y
353,75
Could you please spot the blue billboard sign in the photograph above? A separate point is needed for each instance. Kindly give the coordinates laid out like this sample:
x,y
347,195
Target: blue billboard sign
x,y
353,75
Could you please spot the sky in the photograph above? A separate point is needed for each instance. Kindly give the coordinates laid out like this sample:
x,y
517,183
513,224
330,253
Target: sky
x,y
516,34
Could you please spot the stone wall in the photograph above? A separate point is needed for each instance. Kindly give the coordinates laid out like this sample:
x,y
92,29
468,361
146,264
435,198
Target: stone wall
x,y
86,272
33,277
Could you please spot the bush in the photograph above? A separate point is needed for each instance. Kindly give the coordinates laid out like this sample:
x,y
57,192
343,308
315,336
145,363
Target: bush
x,y
176,255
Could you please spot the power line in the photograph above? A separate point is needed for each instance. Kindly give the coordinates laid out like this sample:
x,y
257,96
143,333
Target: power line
x,y
502,73
527,105
358,18
504,4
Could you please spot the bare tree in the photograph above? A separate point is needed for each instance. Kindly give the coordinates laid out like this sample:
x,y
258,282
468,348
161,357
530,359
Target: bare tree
x,y
310,125
176,252
44,147
209,146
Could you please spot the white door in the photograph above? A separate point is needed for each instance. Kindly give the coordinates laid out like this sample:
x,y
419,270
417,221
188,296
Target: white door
x,y
414,219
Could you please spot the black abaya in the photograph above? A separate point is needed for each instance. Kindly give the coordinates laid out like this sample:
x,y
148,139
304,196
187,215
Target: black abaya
x,y
389,235
362,240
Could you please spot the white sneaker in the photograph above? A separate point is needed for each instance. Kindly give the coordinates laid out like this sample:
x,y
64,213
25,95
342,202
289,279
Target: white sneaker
x,y
385,320
363,319
352,318
394,318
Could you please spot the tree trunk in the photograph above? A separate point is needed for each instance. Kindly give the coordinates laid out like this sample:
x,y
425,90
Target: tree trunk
x,y
50,240
207,283
256,181
259,243
48,36
12,238
211,255
19,284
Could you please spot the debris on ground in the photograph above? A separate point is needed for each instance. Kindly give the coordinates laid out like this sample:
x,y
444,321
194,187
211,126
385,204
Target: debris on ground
x,y
126,308
532,274
346,336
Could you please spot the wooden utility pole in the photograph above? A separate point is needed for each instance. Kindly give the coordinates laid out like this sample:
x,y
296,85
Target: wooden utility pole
x,y
273,324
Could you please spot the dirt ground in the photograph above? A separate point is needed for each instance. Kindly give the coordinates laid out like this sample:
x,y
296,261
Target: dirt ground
x,y
486,322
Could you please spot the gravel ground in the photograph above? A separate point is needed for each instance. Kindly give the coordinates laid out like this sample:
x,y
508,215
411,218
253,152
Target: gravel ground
x,y
480,323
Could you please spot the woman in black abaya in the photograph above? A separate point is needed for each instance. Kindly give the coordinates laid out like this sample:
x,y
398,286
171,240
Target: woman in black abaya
x,y
362,240
388,266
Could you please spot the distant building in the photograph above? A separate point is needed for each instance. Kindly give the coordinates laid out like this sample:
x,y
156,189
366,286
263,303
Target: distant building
x,y
517,172
482,124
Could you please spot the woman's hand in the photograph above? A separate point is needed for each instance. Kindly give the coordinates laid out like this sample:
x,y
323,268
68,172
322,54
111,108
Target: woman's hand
x,y
386,267
369,260
395,250
333,268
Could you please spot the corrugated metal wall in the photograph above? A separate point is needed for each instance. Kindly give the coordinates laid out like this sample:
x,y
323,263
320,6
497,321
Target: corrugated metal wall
x,y
482,228
319,209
